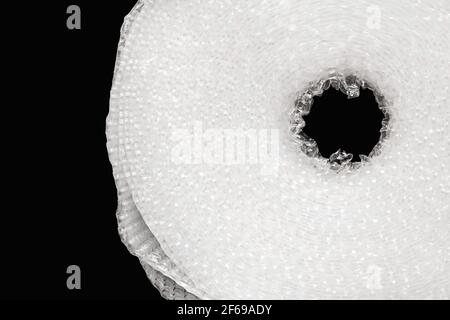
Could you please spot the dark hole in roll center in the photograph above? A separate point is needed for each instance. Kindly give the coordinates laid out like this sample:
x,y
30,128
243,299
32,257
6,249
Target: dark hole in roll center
x,y
352,125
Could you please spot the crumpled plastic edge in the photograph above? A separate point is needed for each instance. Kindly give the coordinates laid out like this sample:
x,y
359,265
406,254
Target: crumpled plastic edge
x,y
349,85
134,233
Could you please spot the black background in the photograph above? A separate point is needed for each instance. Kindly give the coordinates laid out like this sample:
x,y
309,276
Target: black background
x,y
63,194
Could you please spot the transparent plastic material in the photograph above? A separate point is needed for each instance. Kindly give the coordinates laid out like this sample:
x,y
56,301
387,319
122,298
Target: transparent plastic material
x,y
233,230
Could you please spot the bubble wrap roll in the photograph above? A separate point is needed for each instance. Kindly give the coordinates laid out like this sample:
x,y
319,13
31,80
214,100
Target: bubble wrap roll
x,y
273,223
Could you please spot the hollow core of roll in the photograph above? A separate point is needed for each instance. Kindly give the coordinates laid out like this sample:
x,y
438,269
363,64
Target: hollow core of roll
x,y
352,125
341,119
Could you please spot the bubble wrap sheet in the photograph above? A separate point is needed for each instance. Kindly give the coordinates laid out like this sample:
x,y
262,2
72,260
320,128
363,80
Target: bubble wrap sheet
x,y
295,230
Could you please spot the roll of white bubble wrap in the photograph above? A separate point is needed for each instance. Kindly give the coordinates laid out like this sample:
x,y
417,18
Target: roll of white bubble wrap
x,y
276,224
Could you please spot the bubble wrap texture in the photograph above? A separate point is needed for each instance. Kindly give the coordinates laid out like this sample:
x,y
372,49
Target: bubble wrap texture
x,y
228,231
